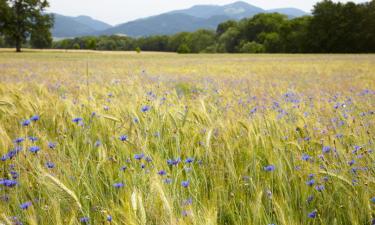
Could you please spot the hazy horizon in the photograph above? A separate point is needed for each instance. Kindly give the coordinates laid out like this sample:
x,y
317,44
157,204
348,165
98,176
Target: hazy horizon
x,y
116,11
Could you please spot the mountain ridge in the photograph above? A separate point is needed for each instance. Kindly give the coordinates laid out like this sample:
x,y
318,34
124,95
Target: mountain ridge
x,y
189,20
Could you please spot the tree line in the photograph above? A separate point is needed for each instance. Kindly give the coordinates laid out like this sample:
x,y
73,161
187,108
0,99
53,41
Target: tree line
x,y
332,28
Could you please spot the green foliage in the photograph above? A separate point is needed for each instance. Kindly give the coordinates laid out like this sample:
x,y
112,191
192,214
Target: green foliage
x,y
24,18
40,35
252,47
199,40
183,49
138,50
76,46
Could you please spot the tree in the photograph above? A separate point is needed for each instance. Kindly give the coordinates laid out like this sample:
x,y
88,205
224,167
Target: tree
x,y
41,36
200,40
229,40
24,17
223,27
183,49
252,47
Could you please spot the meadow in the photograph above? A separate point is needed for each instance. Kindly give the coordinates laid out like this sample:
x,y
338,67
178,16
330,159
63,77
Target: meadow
x,y
157,138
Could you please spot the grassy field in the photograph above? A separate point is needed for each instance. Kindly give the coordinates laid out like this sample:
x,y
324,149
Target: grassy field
x,y
124,138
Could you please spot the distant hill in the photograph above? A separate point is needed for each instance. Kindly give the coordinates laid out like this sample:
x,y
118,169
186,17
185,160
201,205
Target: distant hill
x,y
237,10
291,12
66,26
164,24
191,19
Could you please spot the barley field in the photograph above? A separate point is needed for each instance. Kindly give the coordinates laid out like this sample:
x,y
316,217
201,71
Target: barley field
x,y
157,138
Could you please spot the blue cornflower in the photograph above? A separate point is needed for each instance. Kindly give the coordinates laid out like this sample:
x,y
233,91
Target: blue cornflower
x,y
310,198
310,182
85,220
25,205
188,201
168,180
35,118
26,123
351,162
174,162
34,149
109,218
339,135
118,185
8,183
306,157
373,200
356,149
98,143
51,145
313,214
145,108
123,138
14,174
123,168
189,160
162,173
77,120
326,149
50,165
139,156
19,140
4,158
319,188
269,168
148,159
33,139
185,184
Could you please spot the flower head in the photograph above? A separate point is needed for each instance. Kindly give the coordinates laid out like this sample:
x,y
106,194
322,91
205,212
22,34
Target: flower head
x,y
19,140
313,214
319,188
310,182
189,160
35,118
123,138
269,168
84,220
326,149
139,156
50,165
34,149
118,185
162,173
25,205
51,145
26,123
185,184
145,108
77,120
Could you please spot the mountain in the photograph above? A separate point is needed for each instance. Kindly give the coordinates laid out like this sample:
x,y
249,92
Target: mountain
x,y
236,10
66,26
191,19
291,12
165,24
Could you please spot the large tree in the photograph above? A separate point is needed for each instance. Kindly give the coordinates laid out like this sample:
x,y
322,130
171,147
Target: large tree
x,y
22,18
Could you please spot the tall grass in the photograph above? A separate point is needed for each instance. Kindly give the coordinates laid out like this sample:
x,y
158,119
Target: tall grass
x,y
255,128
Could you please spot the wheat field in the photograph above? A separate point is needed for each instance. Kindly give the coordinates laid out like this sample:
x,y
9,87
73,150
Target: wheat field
x,y
150,138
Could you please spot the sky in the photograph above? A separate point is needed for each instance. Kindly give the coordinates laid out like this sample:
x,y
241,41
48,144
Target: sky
x,y
120,11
